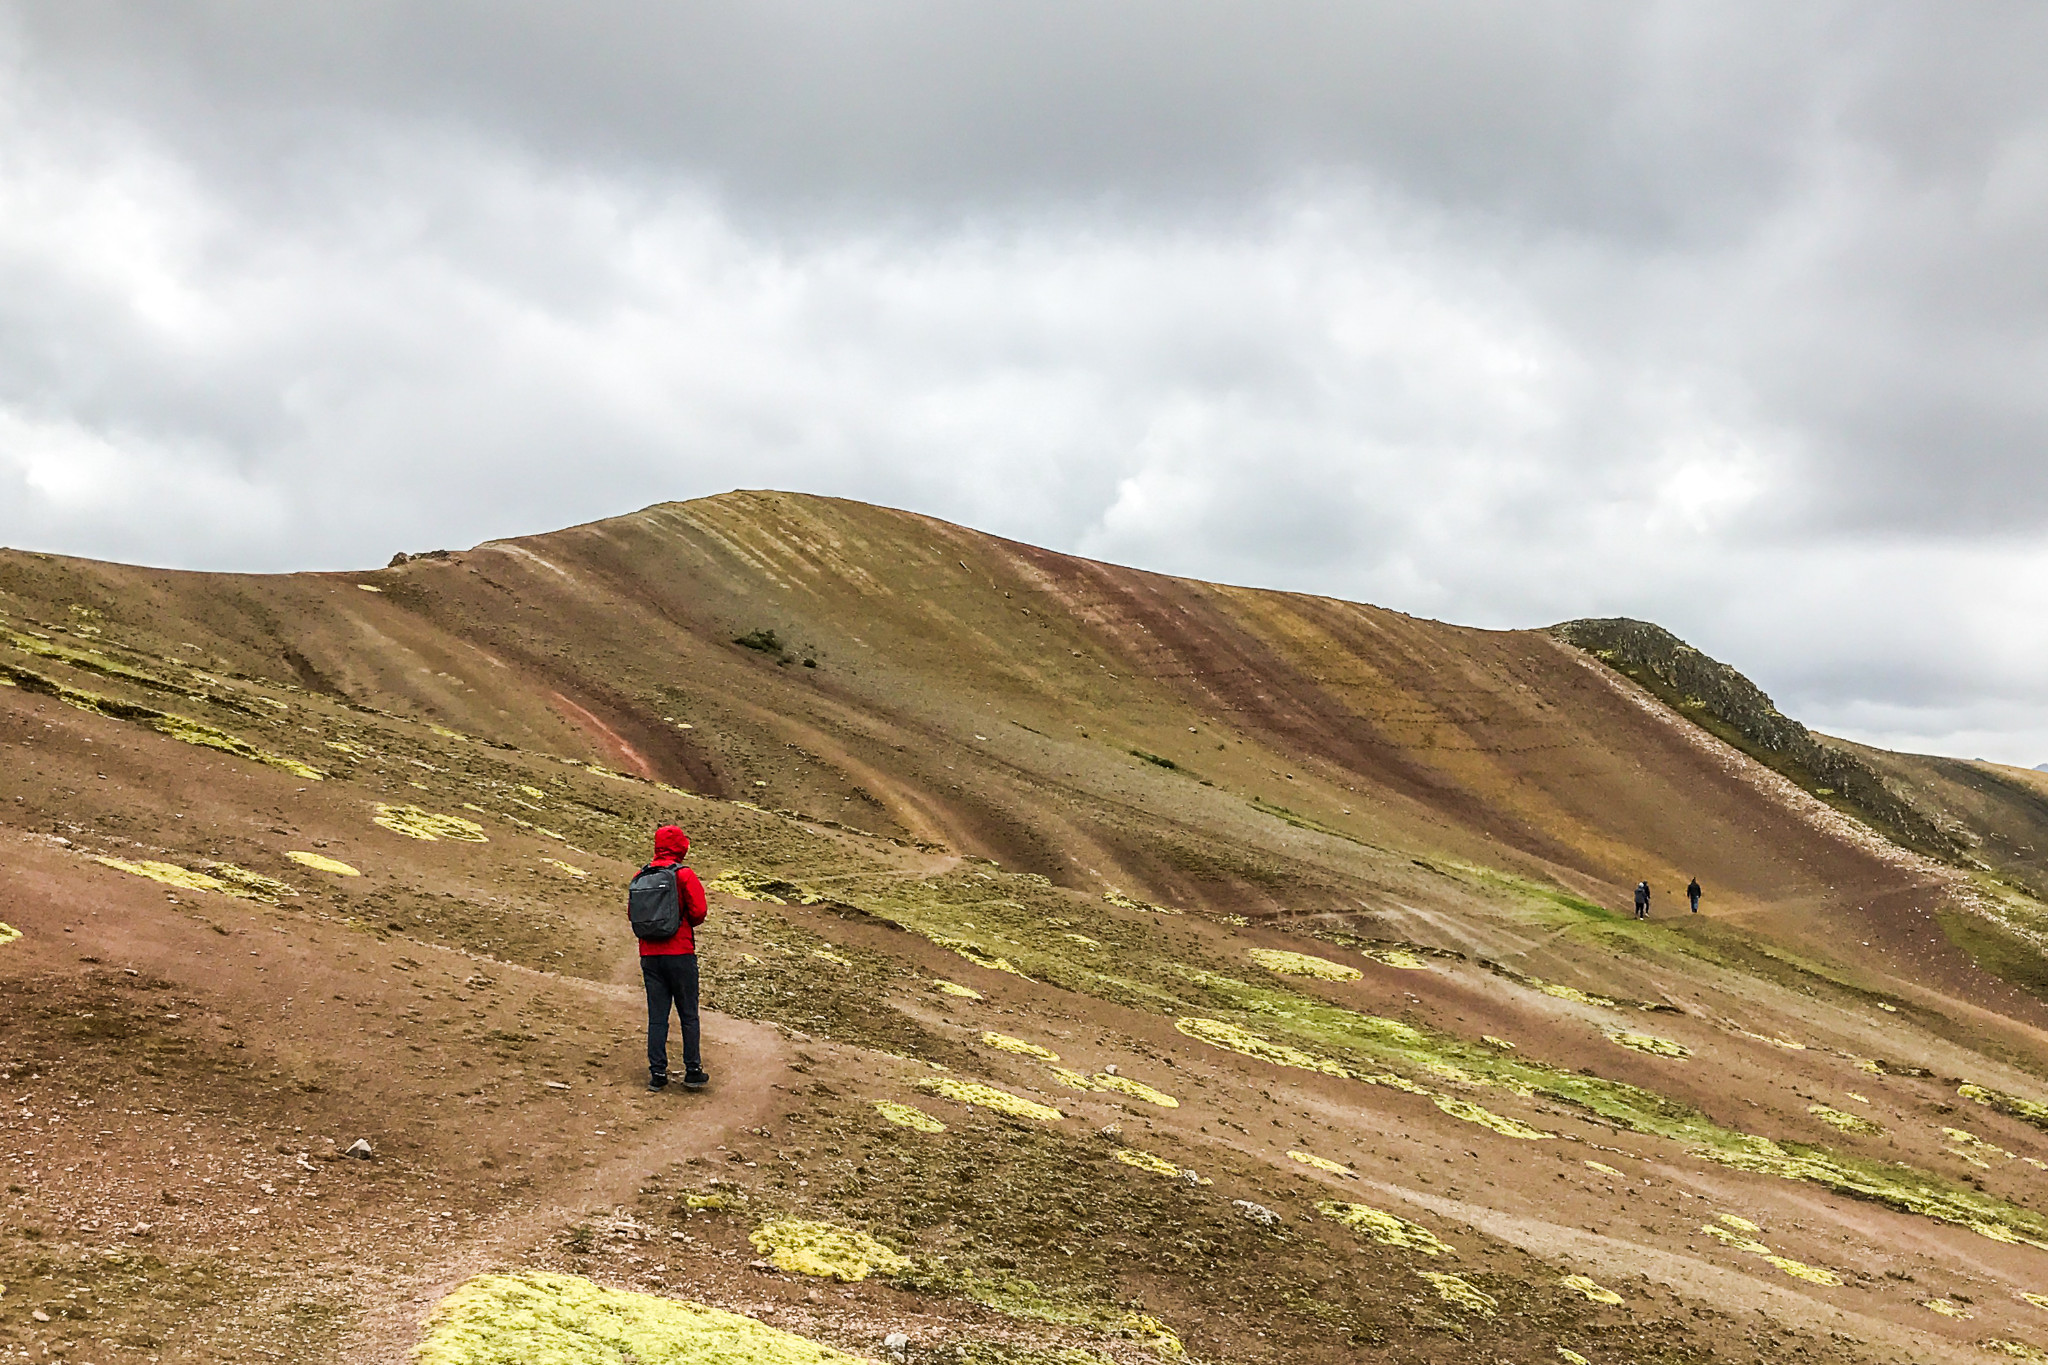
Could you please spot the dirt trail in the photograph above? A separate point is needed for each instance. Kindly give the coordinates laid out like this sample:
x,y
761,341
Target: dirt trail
x,y
748,1059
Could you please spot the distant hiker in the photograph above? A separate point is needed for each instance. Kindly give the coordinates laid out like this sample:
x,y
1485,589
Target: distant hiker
x,y
1642,900
665,903
1692,893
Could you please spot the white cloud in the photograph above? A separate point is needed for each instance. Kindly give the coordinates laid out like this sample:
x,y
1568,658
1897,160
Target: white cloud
x,y
1504,339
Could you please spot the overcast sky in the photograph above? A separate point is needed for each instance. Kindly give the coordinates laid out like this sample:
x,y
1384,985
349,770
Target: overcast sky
x,y
1734,317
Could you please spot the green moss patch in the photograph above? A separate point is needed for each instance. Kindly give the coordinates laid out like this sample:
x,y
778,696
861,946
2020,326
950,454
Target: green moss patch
x,y
320,862
1137,1090
1461,1293
1385,1228
1323,1163
1486,1118
824,1250
1847,1123
2018,1107
1302,964
428,825
1590,1289
537,1318
1655,1046
1002,1042
908,1116
979,1096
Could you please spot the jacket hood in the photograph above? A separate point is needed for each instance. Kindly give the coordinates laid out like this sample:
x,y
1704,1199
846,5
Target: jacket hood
x,y
671,842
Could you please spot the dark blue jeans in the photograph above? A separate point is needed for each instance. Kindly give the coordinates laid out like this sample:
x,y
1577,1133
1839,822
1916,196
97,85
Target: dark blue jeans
x,y
671,983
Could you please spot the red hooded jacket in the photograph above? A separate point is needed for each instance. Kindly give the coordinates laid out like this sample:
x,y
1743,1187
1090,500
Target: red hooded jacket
x,y
670,844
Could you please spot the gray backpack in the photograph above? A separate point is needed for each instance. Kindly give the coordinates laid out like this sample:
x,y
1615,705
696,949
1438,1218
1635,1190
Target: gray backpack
x,y
654,903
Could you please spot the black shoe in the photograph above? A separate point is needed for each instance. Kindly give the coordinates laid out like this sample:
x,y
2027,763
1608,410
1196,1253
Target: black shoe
x,y
657,1082
695,1080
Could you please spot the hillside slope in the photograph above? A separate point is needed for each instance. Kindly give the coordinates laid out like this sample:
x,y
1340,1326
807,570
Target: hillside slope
x,y
1347,887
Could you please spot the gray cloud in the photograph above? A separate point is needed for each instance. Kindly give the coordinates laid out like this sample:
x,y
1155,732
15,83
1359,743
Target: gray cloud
x,y
1730,316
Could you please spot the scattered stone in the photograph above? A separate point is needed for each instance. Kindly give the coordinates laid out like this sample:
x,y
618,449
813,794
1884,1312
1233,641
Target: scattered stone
x,y
1259,1213
1112,1133
359,1148
896,1344
557,1085
40,1316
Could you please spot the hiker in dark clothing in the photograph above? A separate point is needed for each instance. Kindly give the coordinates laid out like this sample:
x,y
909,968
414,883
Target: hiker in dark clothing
x,y
1692,893
1642,900
669,968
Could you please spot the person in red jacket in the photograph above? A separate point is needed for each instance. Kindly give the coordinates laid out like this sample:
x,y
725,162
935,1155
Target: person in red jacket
x,y
669,967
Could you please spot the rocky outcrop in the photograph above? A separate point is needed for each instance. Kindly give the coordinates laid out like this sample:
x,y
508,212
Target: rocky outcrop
x,y
1725,703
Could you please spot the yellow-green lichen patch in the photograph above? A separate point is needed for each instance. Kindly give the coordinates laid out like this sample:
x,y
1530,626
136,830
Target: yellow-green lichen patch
x,y
1644,1042
824,1250
1385,1228
1737,1221
1847,1123
250,885
1503,1044
1571,1357
189,731
908,1116
8,933
748,885
1002,1042
1072,1079
1395,957
568,869
1948,1308
170,874
979,1096
1302,964
1486,1118
415,823
1735,1240
1605,1169
2005,1103
1123,902
1577,996
954,988
1800,1270
2017,1350
1145,1161
1217,1033
1323,1163
320,862
978,955
2038,1300
1137,1090
1460,1293
342,746
1581,1284
537,1318
827,955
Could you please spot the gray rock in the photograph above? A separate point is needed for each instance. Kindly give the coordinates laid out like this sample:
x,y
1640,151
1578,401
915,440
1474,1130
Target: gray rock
x,y
896,1344
1258,1213
359,1148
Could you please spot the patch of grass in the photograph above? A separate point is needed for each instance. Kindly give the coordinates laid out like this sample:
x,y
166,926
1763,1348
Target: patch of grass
x,y
824,1250
539,1318
1302,964
1155,760
428,825
1385,1228
1996,949
1002,1042
980,1096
